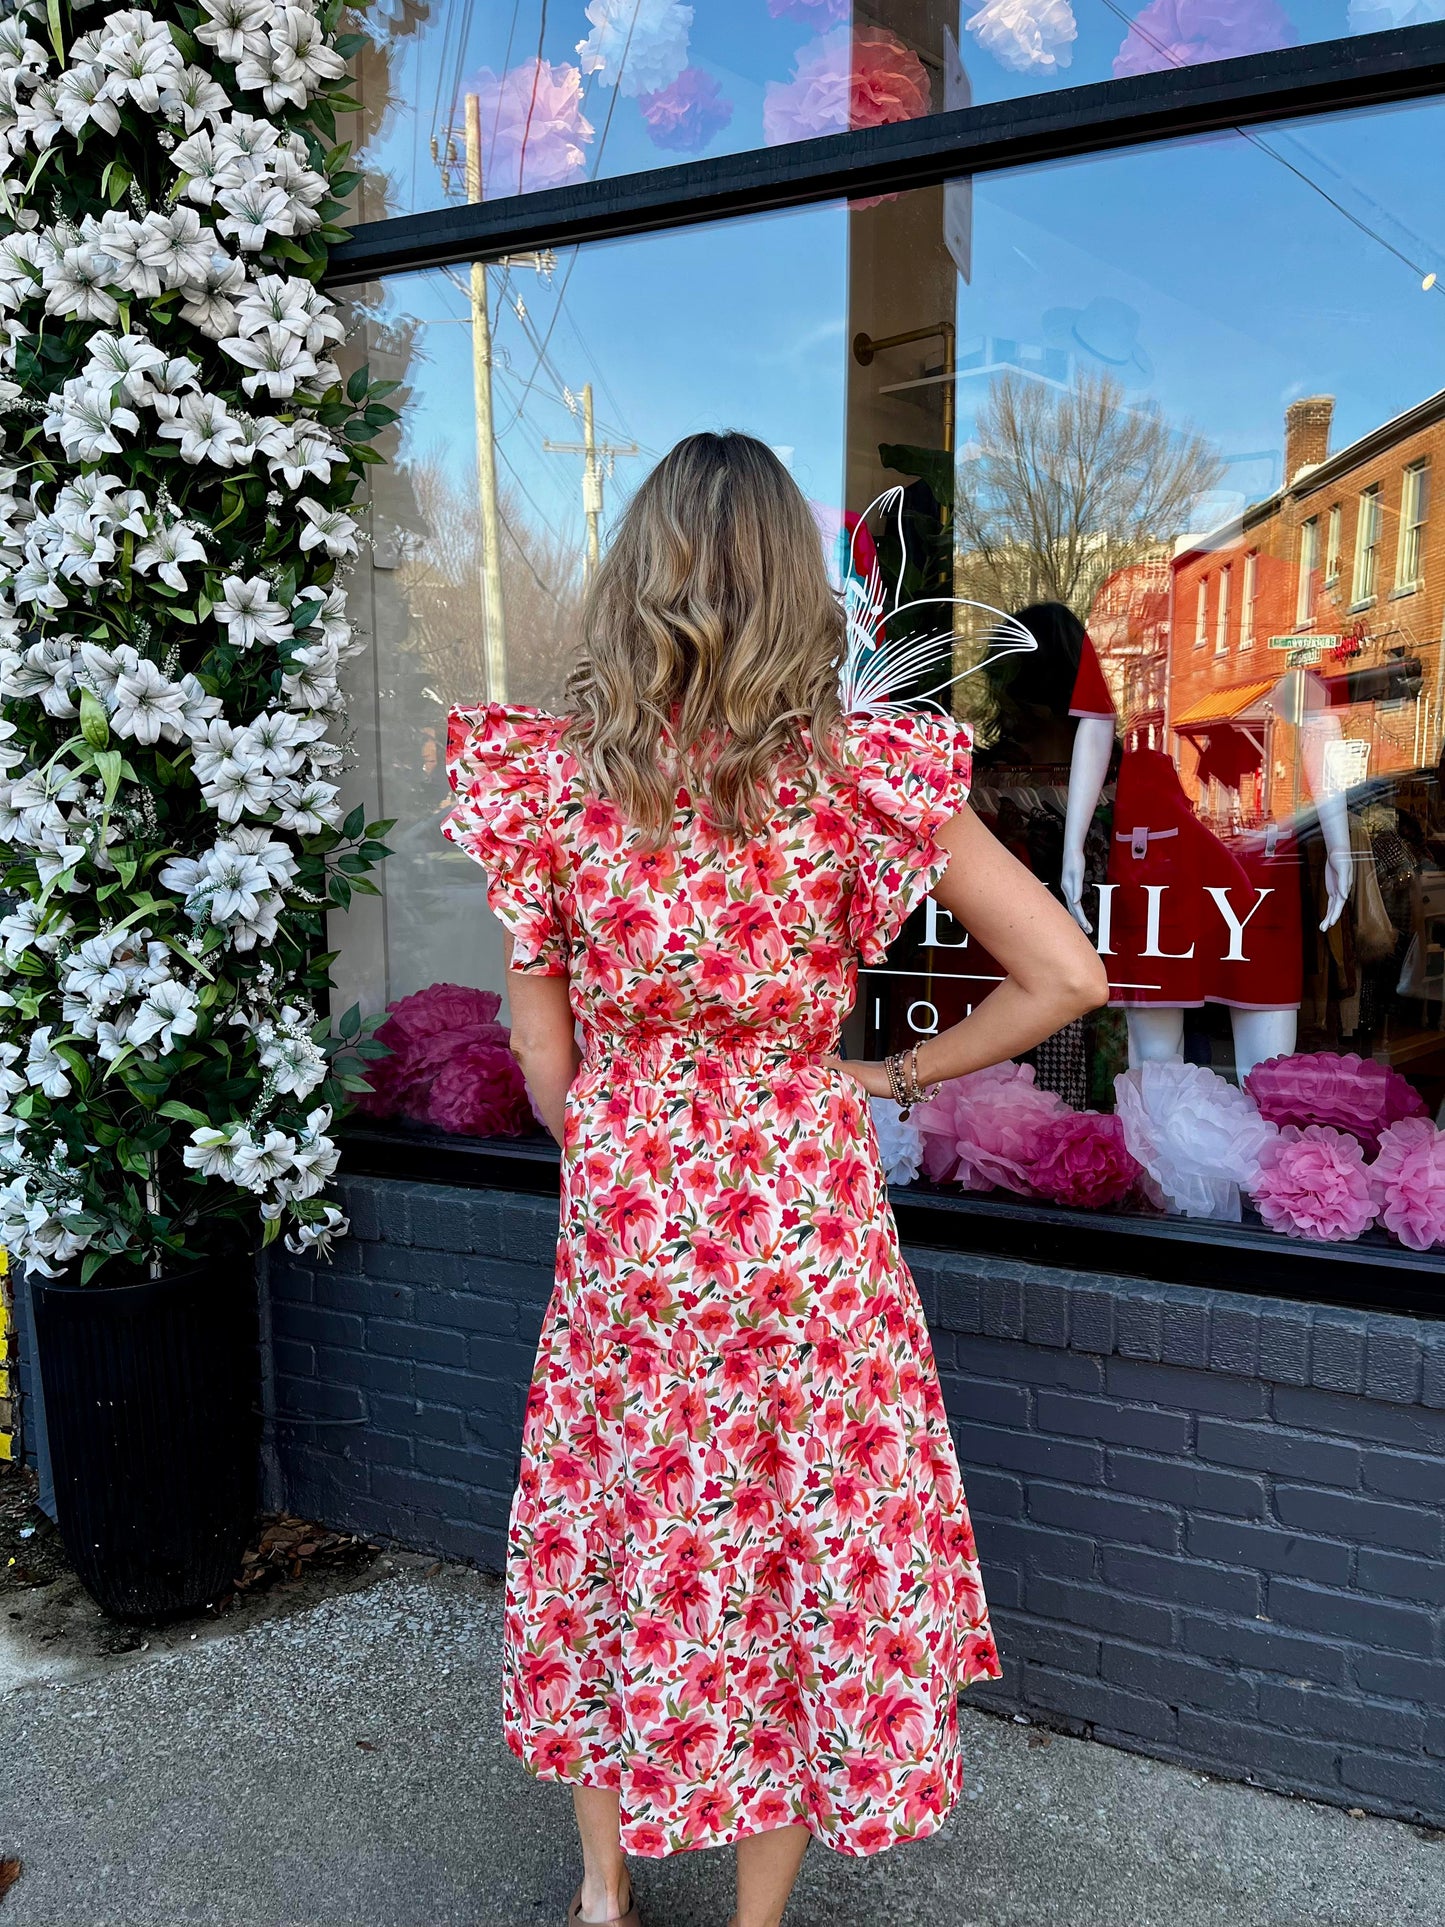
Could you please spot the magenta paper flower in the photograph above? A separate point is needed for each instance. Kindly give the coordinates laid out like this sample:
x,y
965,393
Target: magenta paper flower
x,y
982,1130
1181,33
815,12
1408,1181
685,116
845,79
449,1065
1312,1183
1347,1091
1082,1159
533,128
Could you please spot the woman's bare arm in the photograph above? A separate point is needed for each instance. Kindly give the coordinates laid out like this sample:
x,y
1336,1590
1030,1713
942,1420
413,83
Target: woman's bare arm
x,y
544,1042
1052,972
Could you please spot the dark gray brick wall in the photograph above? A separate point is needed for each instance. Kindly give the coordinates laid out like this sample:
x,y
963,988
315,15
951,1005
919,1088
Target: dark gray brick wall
x,y
1212,1527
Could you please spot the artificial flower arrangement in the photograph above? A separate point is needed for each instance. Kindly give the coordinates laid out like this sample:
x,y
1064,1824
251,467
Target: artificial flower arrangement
x,y
182,461
1184,1139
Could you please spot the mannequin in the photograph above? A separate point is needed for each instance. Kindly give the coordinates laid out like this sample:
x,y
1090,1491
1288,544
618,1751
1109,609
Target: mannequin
x,y
1169,843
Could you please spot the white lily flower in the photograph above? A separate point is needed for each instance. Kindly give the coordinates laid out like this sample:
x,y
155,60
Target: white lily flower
x,y
167,550
254,211
88,421
193,98
200,708
118,238
164,384
204,429
77,283
82,99
229,24
168,1012
36,582
332,529
249,612
312,452
147,705
257,1165
237,788
210,1152
176,246
121,361
306,809
203,159
206,300
278,361
45,670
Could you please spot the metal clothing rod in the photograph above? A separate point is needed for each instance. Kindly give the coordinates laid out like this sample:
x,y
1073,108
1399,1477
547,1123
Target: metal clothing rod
x,y
1363,71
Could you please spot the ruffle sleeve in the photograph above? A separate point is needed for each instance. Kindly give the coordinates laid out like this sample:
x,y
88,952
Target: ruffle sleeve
x,y
913,775
499,764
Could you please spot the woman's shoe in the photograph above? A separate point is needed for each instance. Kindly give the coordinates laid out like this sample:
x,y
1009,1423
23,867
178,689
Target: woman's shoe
x,y
630,1919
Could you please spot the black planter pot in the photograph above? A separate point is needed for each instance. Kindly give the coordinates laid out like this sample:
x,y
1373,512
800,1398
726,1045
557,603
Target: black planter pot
x,y
151,1396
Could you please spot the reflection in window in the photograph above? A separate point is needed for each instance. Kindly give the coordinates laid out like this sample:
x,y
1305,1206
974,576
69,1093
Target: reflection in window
x,y
1414,496
1082,438
1309,554
1367,543
1334,527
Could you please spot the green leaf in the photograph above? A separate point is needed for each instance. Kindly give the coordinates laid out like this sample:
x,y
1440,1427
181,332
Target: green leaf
x,y
355,823
184,1113
364,886
351,1022
91,1263
270,1231
111,765
57,38
93,725
358,384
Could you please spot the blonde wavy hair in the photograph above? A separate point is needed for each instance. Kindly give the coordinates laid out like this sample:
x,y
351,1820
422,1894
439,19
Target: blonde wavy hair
x,y
711,640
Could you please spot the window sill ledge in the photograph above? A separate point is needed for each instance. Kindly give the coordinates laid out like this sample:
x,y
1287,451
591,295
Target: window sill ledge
x,y
1239,1258
1406,589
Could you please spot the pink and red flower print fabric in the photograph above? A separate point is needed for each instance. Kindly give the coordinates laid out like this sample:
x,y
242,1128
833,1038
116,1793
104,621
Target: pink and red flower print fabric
x,y
742,1583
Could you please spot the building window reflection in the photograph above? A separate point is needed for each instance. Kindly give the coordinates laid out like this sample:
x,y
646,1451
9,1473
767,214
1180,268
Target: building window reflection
x,y
1367,543
1309,552
1414,497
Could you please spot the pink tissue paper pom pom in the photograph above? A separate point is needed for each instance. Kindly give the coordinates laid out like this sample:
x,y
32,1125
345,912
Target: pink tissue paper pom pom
x,y
1198,1138
685,116
1082,1159
1313,1183
1350,1092
980,1131
1182,33
449,1065
1408,1180
846,79
533,128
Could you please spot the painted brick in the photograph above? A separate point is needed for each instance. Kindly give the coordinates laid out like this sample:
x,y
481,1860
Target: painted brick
x,y
1413,1476
299,1400
1393,1361
317,1325
1072,1460
1186,1330
1313,1709
1414,1785
1103,1610
1004,1358
1337,1353
1239,1398
1284,1344
1279,1759
1374,1522
1132,1522
1197,1487
1272,1449
362,1368
998,1495
1098,1418
1177,1681
467,1311
1410,1426
1186,1581
1234,1336
1422,1580
1265,1648
1432,1388
986,1400
1032,1548
1091,1320
1001,1308
1349,1616
1067,1651
1138,1327
1097,1702
1400,1676
1046,1313
1238,1543
419,1342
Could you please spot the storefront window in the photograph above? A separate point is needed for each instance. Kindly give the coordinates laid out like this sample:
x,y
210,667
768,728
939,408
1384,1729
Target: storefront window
x,y
1138,403
472,103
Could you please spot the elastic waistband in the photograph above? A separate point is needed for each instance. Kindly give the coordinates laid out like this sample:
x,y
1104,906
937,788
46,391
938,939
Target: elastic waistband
x,y
704,1054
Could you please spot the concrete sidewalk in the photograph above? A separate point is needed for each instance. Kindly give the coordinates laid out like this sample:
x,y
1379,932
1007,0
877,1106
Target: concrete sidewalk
x,y
341,1763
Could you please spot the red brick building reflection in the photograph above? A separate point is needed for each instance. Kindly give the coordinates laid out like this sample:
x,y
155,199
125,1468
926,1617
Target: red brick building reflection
x,y
1342,573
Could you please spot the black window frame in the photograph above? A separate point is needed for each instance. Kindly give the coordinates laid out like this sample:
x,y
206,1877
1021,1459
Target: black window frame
x,y
1333,76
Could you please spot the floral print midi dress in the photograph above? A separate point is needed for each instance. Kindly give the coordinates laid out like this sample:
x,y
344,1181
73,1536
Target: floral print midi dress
x,y
742,1587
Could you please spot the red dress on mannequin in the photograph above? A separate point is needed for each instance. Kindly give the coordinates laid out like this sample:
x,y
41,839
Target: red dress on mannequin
x,y
1164,932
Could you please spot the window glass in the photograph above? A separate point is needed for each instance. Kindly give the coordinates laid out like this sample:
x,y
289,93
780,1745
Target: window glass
x,y
463,102
1190,475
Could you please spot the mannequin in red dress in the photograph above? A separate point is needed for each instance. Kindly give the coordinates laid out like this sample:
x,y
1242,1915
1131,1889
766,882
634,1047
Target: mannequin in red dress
x,y
1184,918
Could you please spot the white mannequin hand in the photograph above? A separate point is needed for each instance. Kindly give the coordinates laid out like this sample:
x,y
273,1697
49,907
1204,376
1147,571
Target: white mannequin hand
x,y
1071,881
1339,880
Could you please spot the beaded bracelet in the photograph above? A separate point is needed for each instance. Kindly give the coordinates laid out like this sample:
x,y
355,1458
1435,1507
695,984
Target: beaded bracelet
x,y
903,1081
